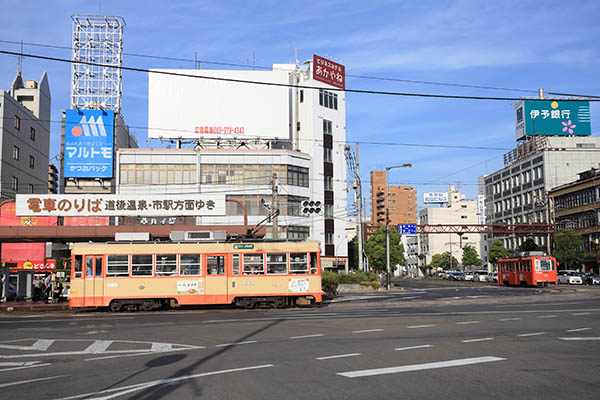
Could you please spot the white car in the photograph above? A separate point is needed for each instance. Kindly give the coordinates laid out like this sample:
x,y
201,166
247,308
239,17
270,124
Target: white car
x,y
469,276
492,277
569,277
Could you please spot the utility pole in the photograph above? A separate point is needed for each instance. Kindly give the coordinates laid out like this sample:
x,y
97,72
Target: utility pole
x,y
359,209
274,206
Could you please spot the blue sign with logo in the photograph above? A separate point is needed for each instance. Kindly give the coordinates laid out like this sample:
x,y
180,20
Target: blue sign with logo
x,y
89,144
407,228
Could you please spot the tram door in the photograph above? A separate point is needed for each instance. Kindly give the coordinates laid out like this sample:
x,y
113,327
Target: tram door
x,y
94,282
216,278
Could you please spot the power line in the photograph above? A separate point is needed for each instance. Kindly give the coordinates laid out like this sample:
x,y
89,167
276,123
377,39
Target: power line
x,y
288,85
226,64
252,138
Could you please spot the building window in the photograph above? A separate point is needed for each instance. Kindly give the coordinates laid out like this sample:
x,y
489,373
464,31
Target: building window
x,y
15,183
15,153
302,96
327,127
30,188
31,162
32,134
328,238
328,99
252,174
17,123
327,156
328,181
158,174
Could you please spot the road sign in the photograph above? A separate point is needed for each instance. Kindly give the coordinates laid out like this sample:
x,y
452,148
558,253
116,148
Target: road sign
x,y
407,228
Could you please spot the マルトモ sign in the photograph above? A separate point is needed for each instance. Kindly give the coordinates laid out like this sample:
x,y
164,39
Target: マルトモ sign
x,y
120,205
329,72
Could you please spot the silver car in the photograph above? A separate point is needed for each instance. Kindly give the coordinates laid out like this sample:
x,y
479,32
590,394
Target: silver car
x,y
569,277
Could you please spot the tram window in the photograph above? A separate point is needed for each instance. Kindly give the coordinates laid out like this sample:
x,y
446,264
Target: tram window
x,y
253,264
544,265
235,264
313,263
98,271
276,263
190,264
77,267
166,264
141,265
117,265
298,263
215,265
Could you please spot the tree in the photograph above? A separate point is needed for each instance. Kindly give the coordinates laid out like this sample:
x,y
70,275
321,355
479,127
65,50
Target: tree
x,y
375,250
528,245
443,261
497,251
470,256
353,253
568,249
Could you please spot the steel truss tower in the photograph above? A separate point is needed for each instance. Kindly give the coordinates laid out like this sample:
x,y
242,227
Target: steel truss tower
x,y
97,39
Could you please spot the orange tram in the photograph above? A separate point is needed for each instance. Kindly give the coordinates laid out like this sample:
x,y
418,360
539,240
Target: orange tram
x,y
143,276
528,270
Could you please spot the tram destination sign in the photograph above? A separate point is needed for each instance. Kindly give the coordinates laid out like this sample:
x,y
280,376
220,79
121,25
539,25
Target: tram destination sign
x,y
61,205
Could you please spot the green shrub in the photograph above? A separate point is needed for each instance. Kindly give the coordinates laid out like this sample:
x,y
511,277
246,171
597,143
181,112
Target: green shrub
x,y
357,277
374,284
329,283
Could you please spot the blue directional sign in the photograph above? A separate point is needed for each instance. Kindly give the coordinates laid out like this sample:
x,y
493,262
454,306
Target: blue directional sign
x,y
407,228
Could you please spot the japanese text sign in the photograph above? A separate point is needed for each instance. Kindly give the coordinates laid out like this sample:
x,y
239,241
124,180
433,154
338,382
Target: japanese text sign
x,y
120,205
88,151
40,265
328,72
435,197
407,228
554,118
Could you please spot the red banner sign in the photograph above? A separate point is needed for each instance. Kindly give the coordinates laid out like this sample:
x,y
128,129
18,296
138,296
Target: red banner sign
x,y
48,265
328,72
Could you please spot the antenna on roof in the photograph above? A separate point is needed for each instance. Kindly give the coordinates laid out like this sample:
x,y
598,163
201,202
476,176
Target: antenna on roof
x,y
20,60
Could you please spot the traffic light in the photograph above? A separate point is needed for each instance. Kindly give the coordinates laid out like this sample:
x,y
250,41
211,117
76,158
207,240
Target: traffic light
x,y
311,207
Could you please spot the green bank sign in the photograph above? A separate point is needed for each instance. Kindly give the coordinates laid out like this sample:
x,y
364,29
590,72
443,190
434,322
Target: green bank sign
x,y
553,118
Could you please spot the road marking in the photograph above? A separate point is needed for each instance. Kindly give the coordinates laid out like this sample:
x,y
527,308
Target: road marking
x,y
537,305
510,319
338,356
123,390
31,380
368,330
307,336
579,338
26,366
582,313
236,343
419,367
39,321
420,326
39,345
532,334
467,322
579,330
99,346
477,340
414,347
547,316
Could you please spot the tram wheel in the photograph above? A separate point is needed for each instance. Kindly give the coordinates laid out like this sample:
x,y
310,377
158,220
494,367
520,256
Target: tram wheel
x,y
115,306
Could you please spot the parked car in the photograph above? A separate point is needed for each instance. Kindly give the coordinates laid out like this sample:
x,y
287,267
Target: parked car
x,y
569,277
456,276
593,279
480,275
469,276
492,277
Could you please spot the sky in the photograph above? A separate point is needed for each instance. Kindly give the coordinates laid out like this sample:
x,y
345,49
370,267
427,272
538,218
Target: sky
x,y
523,45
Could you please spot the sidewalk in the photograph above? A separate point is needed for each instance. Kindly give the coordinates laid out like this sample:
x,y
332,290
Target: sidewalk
x,y
29,306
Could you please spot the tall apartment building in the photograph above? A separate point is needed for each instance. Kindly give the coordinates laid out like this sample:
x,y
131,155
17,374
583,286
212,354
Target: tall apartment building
x,y
457,211
402,201
52,179
518,193
25,137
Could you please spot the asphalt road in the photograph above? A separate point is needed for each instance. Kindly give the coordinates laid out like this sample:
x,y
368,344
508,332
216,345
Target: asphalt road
x,y
534,344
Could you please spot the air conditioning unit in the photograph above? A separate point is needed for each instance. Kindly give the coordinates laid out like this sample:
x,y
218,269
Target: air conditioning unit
x,y
182,236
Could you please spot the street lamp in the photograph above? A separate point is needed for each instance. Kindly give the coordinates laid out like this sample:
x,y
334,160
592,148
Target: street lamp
x,y
387,220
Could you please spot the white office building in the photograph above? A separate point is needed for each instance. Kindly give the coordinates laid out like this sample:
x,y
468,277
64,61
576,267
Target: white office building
x,y
242,127
457,211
